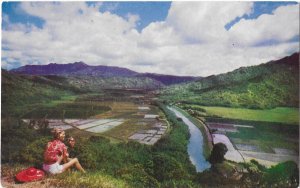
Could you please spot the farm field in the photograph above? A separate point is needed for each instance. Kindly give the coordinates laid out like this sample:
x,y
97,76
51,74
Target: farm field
x,y
278,115
79,110
119,119
268,136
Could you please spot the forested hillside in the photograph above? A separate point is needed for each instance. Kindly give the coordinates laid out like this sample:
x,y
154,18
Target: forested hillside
x,y
18,92
268,85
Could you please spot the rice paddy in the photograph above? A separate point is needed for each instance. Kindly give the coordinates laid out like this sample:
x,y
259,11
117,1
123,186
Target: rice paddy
x,y
269,136
103,128
116,119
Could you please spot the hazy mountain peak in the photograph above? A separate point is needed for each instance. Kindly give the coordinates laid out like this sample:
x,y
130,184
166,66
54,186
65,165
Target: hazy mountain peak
x,y
82,69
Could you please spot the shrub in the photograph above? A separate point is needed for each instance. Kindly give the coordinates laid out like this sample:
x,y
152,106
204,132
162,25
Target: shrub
x,y
14,137
284,174
166,168
218,152
137,176
34,152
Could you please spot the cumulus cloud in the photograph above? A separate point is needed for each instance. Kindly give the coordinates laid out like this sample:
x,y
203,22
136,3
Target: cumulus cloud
x,y
72,32
205,21
191,41
281,26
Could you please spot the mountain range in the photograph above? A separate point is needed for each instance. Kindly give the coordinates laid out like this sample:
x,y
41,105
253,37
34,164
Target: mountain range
x,y
272,84
83,70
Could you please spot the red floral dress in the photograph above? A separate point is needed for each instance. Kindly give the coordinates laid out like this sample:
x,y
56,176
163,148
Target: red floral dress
x,y
54,150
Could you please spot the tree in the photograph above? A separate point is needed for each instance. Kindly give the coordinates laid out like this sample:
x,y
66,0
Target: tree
x,y
217,154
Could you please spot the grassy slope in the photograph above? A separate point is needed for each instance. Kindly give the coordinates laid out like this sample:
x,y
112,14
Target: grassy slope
x,y
74,179
108,164
21,93
264,86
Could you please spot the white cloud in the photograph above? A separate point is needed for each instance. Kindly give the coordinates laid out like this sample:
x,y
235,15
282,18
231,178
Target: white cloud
x,y
281,26
159,34
205,21
191,41
70,34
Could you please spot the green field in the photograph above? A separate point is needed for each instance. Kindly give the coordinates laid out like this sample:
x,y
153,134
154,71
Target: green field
x,y
67,110
278,115
267,125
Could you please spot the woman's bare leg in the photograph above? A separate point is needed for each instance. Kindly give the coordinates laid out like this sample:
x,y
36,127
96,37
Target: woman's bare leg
x,y
71,163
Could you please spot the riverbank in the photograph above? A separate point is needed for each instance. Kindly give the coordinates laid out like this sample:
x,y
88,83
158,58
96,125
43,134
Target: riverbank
x,y
196,143
207,138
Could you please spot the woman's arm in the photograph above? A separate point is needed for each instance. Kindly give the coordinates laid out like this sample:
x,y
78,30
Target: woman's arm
x,y
65,154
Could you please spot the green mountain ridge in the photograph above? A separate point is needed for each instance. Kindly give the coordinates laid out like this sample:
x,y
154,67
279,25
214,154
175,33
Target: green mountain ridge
x,y
268,85
19,91
94,84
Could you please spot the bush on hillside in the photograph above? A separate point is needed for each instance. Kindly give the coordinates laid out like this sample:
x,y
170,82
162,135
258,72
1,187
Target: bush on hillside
x,y
284,174
34,152
167,168
15,135
137,176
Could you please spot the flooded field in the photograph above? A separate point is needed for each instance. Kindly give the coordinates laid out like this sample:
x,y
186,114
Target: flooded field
x,y
104,127
150,136
90,123
247,147
232,154
221,127
123,117
265,142
52,123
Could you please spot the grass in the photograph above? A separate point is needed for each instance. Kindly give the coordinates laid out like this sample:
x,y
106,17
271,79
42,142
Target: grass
x,y
278,115
125,130
90,179
67,110
63,99
68,179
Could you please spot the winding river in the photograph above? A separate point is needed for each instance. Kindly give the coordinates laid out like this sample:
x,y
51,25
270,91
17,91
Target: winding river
x,y
195,146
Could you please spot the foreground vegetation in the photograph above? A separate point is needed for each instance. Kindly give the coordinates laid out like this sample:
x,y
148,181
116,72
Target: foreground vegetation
x,y
137,165
121,164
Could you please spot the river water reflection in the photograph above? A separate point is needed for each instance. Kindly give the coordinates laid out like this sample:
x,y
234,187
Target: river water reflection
x,y
195,146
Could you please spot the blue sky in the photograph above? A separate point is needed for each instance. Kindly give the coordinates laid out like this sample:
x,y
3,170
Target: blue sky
x,y
166,35
259,8
147,11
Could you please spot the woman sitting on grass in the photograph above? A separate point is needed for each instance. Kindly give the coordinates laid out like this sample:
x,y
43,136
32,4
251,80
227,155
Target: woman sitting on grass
x,y
71,144
56,152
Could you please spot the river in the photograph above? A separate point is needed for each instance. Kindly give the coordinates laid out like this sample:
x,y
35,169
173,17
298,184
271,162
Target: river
x,y
195,146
